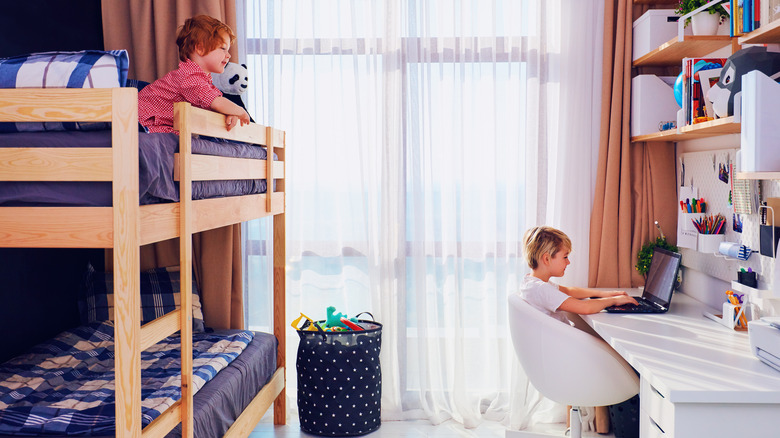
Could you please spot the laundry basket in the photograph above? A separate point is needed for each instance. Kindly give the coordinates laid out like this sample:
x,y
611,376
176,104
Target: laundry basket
x,y
339,380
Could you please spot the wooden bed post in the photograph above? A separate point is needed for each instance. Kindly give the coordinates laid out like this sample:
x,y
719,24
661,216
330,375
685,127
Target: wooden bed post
x,y
182,114
280,405
280,272
127,276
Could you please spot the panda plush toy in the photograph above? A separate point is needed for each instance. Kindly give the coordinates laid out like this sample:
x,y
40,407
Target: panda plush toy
x,y
233,82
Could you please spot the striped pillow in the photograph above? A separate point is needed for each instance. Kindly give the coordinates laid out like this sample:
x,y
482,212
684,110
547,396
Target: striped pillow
x,y
159,295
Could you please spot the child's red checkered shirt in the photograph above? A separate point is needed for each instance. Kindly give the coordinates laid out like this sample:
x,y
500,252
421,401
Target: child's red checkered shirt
x,y
188,83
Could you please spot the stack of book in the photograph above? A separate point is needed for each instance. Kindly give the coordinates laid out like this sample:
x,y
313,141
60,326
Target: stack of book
x,y
699,74
749,15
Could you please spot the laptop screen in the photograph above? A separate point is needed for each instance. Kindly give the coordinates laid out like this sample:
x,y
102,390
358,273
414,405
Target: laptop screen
x,y
661,276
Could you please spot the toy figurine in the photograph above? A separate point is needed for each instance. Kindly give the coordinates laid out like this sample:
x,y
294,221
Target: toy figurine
x,y
334,319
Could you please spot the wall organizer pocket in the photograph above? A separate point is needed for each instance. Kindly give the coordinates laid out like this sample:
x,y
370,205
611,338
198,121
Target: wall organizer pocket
x,y
710,243
768,233
769,238
687,236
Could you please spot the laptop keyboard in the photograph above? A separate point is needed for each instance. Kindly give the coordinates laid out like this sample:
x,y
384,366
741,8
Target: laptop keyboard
x,y
641,307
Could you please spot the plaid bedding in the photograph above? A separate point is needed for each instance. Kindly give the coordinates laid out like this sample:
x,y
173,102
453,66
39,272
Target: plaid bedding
x,y
65,386
85,69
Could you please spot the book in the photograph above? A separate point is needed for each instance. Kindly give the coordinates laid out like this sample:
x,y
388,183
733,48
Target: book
x,y
696,104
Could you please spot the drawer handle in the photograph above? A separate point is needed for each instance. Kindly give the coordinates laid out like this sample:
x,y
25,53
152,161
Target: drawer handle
x,y
656,425
657,391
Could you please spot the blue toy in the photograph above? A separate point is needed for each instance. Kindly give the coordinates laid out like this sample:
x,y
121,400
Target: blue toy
x,y
678,89
334,319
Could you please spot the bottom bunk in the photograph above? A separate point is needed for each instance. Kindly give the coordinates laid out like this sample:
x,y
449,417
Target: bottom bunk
x,y
65,386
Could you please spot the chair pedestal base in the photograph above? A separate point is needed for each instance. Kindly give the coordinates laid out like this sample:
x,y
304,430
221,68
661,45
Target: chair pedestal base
x,y
576,429
562,433
575,419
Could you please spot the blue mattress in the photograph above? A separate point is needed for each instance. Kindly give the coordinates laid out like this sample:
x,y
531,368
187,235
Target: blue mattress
x,y
155,162
224,397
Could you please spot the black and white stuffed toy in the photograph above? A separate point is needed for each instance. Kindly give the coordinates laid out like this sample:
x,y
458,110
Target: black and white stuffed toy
x,y
233,82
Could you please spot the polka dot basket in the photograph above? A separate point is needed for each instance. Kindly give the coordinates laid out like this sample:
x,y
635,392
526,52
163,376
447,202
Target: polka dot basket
x,y
340,381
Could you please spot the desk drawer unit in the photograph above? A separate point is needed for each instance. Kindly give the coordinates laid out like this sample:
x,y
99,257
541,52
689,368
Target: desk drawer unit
x,y
656,411
648,428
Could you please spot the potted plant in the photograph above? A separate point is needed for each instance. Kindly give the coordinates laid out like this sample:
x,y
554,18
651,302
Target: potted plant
x,y
645,254
705,22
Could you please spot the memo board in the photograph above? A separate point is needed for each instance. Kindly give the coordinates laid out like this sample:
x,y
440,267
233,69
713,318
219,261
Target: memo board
x,y
708,176
700,174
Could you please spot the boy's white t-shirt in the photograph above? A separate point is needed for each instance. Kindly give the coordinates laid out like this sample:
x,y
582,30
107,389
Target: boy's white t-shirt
x,y
543,295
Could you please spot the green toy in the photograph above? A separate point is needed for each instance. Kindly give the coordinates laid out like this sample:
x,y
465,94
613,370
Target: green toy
x,y
334,319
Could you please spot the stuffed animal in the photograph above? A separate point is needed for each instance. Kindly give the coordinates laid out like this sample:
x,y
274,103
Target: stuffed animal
x,y
730,83
232,83
234,80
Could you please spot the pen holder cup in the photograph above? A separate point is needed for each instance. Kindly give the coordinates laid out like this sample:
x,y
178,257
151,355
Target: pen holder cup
x,y
768,247
732,314
687,220
747,278
729,312
709,243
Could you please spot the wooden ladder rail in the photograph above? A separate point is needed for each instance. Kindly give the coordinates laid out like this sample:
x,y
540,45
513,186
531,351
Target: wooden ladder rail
x,y
126,262
280,260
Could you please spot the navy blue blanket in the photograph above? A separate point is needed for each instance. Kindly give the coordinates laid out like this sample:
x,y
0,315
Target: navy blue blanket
x,y
66,386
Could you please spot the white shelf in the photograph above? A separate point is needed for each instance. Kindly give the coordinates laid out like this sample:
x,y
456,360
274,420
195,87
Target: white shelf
x,y
753,293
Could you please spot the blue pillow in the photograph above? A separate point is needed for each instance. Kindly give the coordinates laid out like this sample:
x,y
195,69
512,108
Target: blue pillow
x,y
159,295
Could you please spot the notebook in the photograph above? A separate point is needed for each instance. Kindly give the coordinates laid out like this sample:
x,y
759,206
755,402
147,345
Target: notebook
x,y
661,278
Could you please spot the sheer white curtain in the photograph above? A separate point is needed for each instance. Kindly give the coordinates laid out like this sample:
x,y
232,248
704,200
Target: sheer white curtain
x,y
423,138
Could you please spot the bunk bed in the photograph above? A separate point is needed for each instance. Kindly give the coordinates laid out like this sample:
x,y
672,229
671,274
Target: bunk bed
x,y
126,224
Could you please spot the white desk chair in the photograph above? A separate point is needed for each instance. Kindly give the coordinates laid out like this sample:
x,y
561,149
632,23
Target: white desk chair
x,y
566,364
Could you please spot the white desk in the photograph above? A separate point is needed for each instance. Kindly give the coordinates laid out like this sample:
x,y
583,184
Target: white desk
x,y
697,378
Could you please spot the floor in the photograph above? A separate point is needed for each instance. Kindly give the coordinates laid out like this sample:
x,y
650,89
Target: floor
x,y
395,429
410,429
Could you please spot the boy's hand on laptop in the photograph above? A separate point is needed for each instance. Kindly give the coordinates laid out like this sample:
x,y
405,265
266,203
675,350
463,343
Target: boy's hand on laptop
x,y
613,293
623,299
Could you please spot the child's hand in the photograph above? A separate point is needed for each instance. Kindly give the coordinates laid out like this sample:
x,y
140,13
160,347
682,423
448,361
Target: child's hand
x,y
614,293
232,121
623,299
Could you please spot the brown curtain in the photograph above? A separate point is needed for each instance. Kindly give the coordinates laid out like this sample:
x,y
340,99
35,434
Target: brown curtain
x,y
217,266
147,30
635,182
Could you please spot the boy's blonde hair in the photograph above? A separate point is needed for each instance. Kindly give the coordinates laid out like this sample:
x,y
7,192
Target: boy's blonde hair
x,y
202,30
539,241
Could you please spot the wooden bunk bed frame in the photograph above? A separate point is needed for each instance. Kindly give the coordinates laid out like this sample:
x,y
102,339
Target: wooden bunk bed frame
x,y
125,226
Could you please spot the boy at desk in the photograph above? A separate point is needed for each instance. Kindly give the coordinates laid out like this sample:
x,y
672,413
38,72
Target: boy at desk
x,y
546,250
203,49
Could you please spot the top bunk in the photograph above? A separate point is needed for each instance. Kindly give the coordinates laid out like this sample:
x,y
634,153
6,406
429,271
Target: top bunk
x,y
79,226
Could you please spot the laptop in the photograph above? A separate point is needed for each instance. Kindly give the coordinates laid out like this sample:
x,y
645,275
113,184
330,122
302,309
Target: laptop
x,y
661,278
